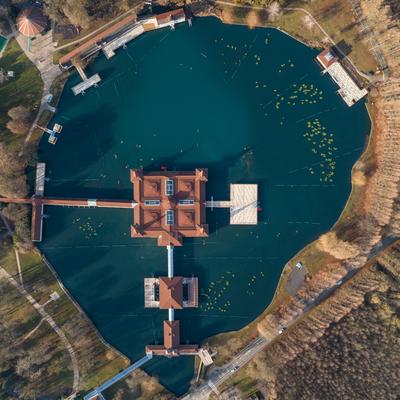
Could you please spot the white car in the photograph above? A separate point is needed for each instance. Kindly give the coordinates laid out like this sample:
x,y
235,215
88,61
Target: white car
x,y
299,265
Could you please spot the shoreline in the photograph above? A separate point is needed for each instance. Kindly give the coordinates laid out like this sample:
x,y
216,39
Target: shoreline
x,y
287,265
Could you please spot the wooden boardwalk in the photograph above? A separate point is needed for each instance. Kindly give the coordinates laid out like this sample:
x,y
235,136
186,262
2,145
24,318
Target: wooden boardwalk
x,y
40,175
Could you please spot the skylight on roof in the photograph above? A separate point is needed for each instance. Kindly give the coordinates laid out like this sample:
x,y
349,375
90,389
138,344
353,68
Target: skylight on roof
x,y
170,217
169,187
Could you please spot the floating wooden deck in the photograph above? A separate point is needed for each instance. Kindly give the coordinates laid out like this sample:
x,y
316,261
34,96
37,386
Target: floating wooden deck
x,y
243,204
150,293
86,84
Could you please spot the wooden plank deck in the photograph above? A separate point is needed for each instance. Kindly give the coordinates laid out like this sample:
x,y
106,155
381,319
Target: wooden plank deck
x,y
40,175
149,293
244,204
86,84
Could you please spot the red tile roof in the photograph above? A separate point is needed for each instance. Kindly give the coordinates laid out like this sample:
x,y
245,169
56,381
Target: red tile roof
x,y
171,335
188,221
171,292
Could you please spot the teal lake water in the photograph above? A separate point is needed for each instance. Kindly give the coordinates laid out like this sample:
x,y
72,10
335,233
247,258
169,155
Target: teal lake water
x,y
251,106
2,42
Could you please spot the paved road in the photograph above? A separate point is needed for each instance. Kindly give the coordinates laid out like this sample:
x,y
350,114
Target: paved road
x,y
219,375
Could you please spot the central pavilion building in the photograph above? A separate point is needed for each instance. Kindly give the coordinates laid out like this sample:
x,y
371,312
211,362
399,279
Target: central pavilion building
x,y
169,205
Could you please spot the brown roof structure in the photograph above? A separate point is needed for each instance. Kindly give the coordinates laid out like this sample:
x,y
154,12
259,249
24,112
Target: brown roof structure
x,y
171,334
31,21
171,292
170,16
172,346
327,57
171,205
97,39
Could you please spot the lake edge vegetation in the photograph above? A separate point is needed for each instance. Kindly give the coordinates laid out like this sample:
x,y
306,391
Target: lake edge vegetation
x,y
317,255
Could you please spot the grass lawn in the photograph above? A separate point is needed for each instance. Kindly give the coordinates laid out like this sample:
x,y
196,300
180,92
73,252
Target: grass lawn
x,y
337,18
24,89
97,362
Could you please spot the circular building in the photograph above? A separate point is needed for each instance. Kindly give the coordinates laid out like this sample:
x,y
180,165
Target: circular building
x,y
31,21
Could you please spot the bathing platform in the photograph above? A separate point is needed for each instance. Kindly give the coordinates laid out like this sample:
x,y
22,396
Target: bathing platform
x,y
349,89
110,47
40,175
114,37
86,84
243,204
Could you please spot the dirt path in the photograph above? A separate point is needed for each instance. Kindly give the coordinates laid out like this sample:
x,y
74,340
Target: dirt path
x,y
29,334
45,316
7,225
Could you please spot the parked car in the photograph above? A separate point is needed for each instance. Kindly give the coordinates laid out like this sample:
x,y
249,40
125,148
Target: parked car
x,y
299,265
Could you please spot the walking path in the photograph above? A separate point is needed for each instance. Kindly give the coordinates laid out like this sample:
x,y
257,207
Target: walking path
x,y
217,376
366,29
29,334
98,29
40,309
7,225
41,55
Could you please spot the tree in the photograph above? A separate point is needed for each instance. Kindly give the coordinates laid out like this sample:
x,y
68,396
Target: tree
x,y
12,173
20,119
274,11
75,11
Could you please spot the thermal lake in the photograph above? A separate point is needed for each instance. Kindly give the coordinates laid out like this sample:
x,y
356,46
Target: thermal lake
x,y
249,105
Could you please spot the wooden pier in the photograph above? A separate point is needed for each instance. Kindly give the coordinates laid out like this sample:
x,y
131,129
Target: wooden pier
x,y
40,179
86,84
114,37
150,285
38,201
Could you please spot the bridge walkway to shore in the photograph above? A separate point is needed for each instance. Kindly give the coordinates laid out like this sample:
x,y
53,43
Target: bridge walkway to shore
x,y
97,392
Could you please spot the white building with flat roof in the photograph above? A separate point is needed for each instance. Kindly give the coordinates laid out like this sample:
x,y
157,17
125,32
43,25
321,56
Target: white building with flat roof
x,y
348,88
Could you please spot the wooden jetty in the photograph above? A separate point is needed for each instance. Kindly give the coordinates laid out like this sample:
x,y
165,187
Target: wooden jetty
x,y
86,82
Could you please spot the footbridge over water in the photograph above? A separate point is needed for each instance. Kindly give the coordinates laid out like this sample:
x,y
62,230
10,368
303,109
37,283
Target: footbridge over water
x,y
97,393
38,201
86,82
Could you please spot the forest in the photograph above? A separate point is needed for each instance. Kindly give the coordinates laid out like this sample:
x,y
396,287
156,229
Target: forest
x,y
348,347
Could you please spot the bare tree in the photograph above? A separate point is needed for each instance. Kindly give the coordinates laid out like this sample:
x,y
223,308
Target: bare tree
x,y
20,119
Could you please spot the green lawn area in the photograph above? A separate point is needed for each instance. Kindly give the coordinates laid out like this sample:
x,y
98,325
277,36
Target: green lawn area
x,y
24,89
97,362
337,18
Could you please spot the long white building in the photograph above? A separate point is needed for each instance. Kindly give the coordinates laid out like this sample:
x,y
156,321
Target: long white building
x,y
348,88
